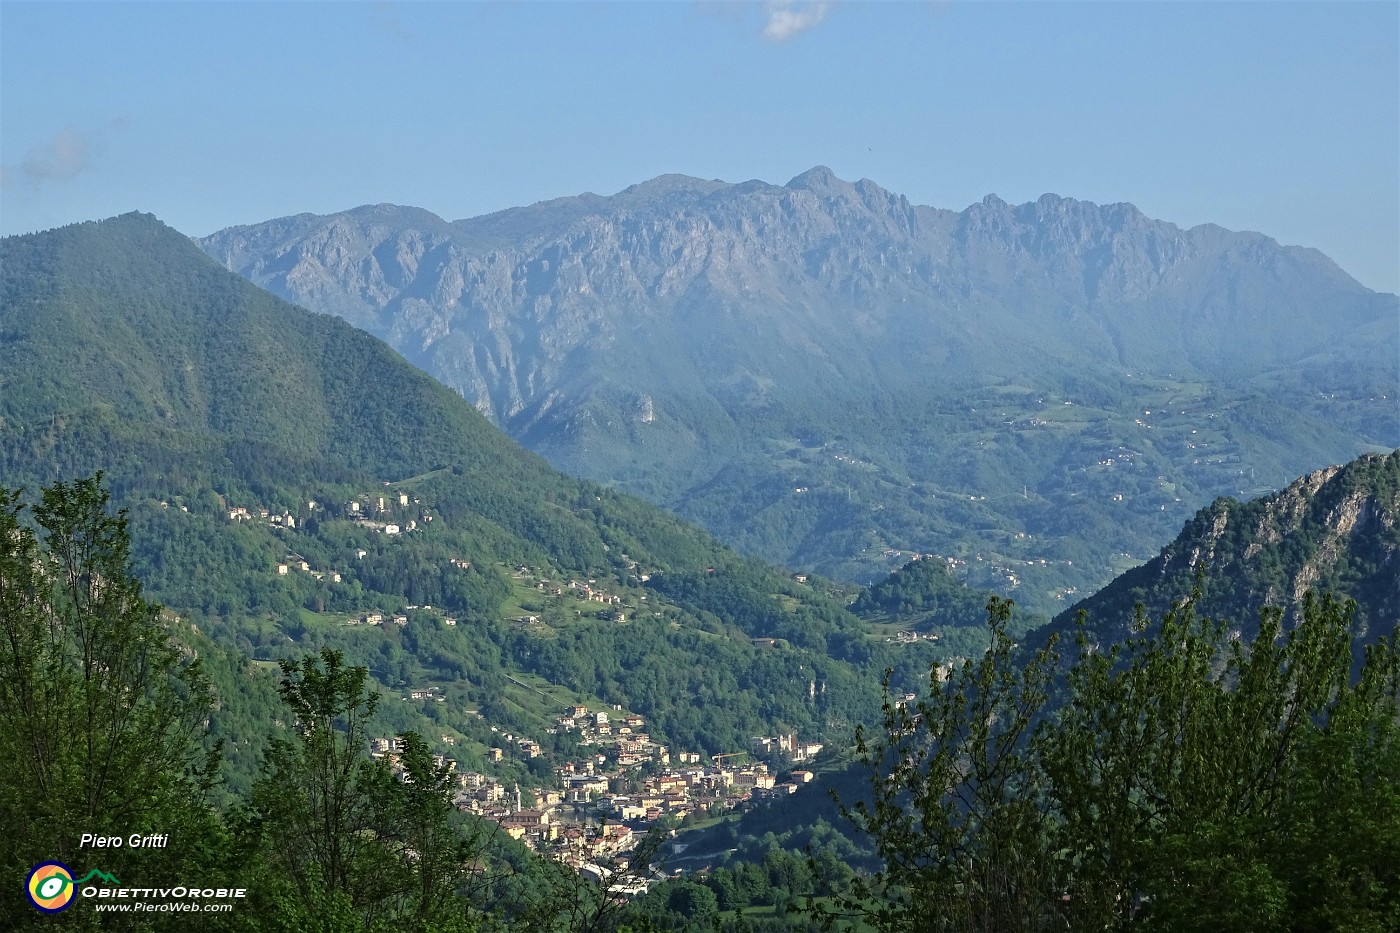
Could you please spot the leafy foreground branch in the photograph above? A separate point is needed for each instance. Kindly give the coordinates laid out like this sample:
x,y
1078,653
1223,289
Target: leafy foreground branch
x,y
104,709
102,712
1182,780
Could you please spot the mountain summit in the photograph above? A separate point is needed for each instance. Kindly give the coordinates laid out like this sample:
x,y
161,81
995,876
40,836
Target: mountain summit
x,y
826,374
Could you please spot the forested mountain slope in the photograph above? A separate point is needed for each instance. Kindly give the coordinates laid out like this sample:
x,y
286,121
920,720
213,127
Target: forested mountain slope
x,y
288,476
1335,530
827,375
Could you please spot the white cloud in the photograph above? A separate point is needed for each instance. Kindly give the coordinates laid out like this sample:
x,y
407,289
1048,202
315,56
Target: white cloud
x,y
787,19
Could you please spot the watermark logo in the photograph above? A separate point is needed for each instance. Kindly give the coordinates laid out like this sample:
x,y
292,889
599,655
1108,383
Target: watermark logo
x,y
50,885
52,888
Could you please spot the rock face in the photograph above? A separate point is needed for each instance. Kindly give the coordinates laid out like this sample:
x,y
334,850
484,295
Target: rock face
x,y
751,314
798,280
1336,530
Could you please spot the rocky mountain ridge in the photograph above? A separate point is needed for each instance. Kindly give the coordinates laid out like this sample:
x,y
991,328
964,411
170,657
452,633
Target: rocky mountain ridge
x,y
695,341
1335,529
522,288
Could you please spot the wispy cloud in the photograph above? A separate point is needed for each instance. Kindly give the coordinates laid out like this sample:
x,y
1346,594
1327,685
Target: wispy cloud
x,y
387,20
63,158
787,19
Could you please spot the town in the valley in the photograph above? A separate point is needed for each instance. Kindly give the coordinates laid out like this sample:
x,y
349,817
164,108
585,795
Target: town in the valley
x,y
606,802
622,784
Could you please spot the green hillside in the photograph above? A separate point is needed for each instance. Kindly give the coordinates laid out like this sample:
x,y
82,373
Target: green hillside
x,y
263,453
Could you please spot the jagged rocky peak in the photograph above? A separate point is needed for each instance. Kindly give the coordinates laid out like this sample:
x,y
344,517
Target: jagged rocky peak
x,y
817,205
990,218
1050,209
818,178
872,193
1335,530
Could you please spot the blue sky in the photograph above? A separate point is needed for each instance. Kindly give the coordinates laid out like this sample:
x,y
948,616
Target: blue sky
x,y
1277,117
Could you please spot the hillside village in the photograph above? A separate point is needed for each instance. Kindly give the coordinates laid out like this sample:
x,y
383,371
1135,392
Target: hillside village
x,y
382,514
603,803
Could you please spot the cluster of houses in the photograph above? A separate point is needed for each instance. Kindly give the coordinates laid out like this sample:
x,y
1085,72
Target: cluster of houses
x,y
619,739
372,512
603,804
598,813
394,618
243,514
390,750
544,827
784,746
296,563
590,591
358,512
909,638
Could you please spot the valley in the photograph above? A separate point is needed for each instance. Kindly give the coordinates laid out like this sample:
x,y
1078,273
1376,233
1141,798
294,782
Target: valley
x,y
831,378
794,466
581,669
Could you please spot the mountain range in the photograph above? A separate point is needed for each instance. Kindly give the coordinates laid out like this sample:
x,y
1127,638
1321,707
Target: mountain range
x,y
293,484
830,377
287,477
209,402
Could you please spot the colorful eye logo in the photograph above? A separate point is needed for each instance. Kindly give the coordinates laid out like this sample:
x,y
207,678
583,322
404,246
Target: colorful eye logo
x,y
50,887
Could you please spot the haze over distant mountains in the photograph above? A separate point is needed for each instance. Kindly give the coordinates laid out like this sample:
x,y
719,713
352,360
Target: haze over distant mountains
x,y
831,377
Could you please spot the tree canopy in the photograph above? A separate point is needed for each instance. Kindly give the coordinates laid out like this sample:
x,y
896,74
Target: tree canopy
x,y
1186,779
102,710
